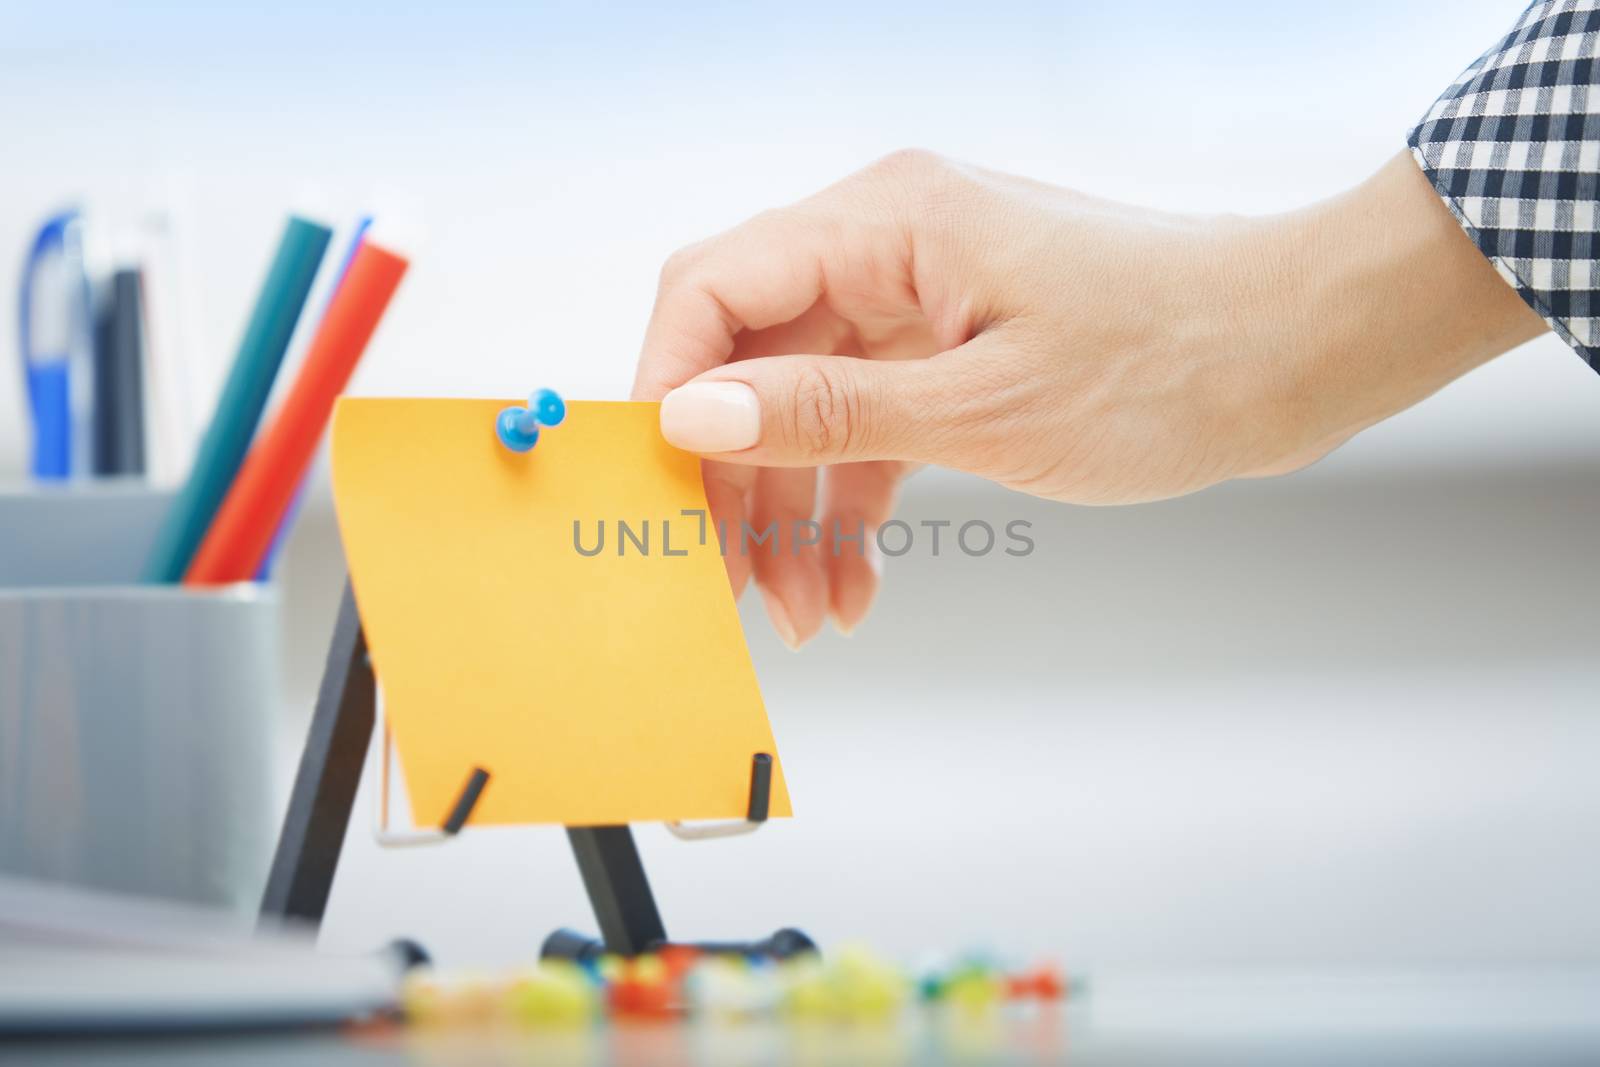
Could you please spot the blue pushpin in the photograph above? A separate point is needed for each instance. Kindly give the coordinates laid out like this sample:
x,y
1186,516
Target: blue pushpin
x,y
518,427
549,408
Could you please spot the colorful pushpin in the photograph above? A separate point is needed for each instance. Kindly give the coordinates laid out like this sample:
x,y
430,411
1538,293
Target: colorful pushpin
x,y
853,986
518,427
807,993
458,999
643,990
678,960
604,970
930,975
1044,982
730,987
423,1001
556,993
974,988
868,988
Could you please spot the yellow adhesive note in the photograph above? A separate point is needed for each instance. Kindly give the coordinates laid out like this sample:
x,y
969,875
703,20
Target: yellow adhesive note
x,y
595,689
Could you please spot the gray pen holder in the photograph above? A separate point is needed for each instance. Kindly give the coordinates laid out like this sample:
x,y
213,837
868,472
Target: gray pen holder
x,y
137,722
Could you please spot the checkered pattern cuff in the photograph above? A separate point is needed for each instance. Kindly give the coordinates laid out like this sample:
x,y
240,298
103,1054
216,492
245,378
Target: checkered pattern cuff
x,y
1514,148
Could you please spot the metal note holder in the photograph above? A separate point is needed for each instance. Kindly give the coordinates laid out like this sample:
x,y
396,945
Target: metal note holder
x,y
323,801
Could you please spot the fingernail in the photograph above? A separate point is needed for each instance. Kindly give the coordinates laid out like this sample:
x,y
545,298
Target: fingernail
x,y
711,417
780,620
874,554
847,617
853,611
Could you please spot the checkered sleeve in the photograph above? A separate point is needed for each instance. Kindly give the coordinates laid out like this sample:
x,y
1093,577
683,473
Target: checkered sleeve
x,y
1513,147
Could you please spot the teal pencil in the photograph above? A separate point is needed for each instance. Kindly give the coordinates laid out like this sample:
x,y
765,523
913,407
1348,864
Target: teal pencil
x,y
226,440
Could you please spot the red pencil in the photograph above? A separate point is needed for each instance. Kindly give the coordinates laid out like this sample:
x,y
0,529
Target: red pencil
x,y
242,531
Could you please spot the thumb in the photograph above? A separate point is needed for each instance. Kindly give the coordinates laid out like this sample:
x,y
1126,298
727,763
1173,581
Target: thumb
x,y
802,411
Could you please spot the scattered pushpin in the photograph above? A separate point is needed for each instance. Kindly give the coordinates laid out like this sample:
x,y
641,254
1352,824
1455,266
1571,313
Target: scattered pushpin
x,y
853,986
678,960
643,990
423,1001
930,974
518,427
807,993
556,993
974,988
730,987
451,1000
606,969
1044,982
869,988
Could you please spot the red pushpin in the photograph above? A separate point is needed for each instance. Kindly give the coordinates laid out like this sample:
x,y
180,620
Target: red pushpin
x,y
1044,982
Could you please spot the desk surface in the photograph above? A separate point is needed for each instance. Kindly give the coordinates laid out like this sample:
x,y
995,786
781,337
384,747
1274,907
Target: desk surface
x,y
1531,1020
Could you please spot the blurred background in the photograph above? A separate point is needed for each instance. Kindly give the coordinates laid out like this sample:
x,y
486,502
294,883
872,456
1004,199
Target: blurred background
x,y
1344,718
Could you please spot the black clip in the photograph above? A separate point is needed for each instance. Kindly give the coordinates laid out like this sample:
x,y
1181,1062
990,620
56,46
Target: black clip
x,y
468,800
756,810
760,787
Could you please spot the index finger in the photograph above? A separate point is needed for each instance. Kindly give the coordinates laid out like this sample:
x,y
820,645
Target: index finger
x,y
761,273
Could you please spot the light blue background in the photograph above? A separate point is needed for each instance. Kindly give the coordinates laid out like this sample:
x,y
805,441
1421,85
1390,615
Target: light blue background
x,y
1344,718
541,160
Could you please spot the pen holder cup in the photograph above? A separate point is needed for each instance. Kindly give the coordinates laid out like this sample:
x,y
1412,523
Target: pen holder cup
x,y
137,722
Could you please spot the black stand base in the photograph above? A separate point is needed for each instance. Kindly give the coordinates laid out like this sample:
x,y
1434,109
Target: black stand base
x,y
614,878
324,795
786,944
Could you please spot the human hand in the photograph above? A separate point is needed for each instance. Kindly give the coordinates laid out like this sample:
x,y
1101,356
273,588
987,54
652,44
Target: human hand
x,y
926,312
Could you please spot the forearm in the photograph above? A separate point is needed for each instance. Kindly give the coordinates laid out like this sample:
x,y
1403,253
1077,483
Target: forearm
x,y
1407,291
1371,301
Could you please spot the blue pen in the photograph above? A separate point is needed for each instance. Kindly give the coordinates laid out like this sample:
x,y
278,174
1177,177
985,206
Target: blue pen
x,y
264,572
52,319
